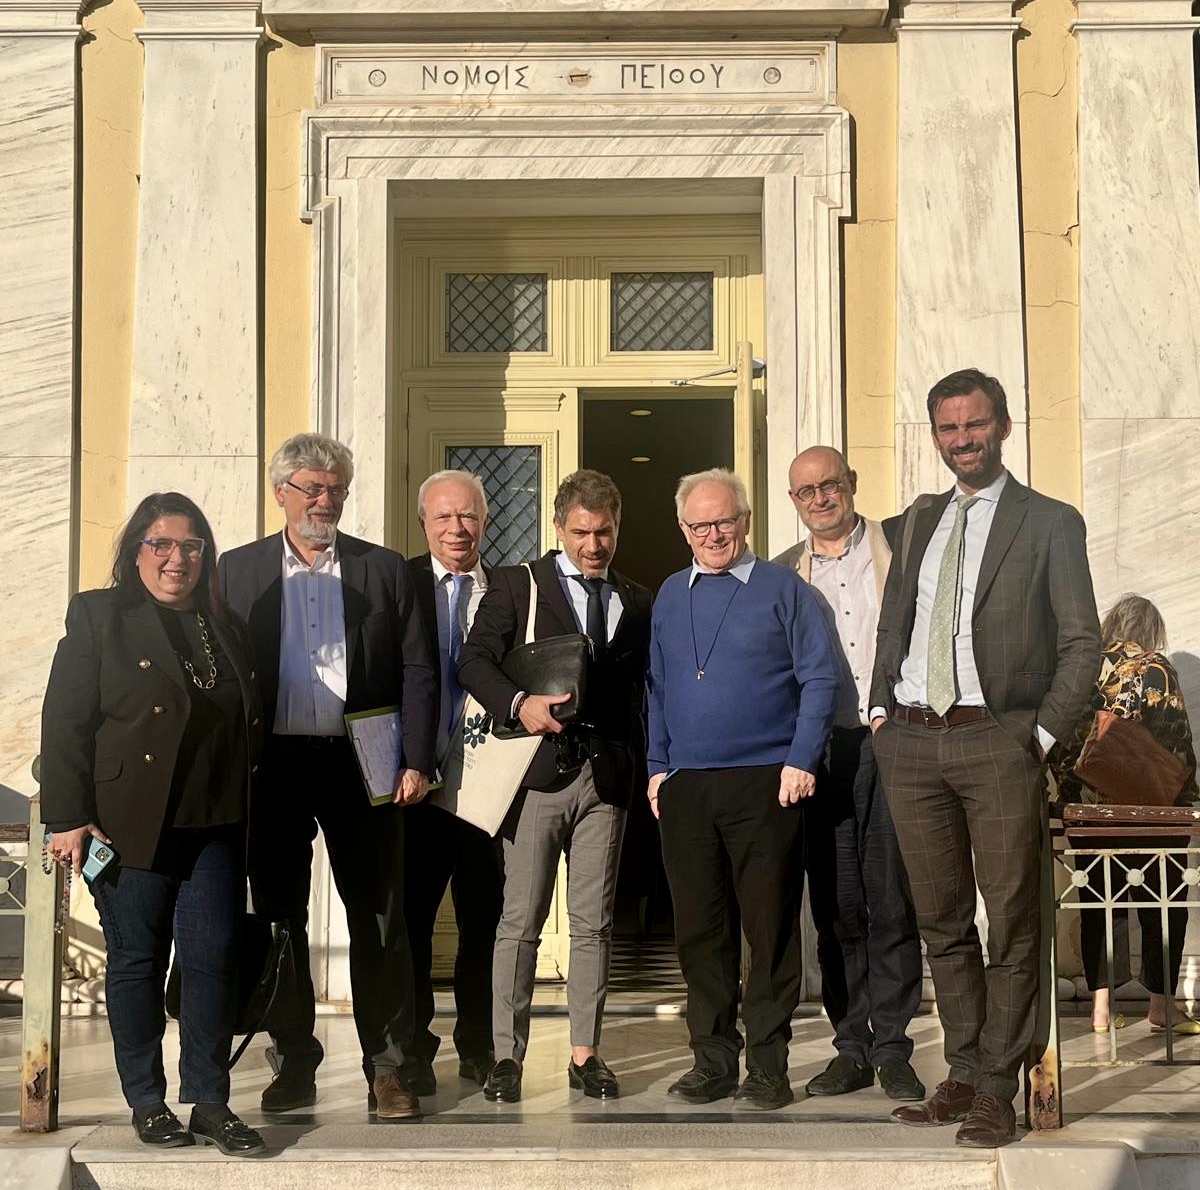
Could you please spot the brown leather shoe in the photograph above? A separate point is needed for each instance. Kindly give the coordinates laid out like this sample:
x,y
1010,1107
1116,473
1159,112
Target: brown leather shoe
x,y
393,1100
989,1123
949,1103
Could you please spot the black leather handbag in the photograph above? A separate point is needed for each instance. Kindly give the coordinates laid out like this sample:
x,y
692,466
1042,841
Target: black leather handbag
x,y
555,665
264,963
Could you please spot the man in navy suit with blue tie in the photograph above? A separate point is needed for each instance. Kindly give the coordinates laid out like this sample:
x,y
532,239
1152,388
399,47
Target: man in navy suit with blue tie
x,y
440,849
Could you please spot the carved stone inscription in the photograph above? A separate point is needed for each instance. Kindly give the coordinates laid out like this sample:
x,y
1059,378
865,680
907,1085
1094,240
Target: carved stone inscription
x,y
412,76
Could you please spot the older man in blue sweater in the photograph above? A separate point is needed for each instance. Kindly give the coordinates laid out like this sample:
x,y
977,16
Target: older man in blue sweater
x,y
742,684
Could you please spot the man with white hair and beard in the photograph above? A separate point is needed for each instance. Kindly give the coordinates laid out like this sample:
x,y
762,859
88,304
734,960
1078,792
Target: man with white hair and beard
x,y
335,629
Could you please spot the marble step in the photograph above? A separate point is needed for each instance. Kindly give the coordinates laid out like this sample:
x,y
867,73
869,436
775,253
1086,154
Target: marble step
x,y
534,1156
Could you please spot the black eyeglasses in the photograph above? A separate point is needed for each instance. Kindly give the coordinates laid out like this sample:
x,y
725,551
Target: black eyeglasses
x,y
704,528
163,547
808,493
314,491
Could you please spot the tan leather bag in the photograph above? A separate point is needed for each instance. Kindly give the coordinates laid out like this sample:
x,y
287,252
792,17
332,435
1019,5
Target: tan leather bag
x,y
1127,766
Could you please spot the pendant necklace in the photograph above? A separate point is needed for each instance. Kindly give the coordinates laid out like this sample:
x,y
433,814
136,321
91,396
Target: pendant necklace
x,y
208,656
700,665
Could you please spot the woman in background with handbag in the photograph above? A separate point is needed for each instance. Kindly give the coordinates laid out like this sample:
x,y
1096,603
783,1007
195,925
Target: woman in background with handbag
x,y
150,727
1136,684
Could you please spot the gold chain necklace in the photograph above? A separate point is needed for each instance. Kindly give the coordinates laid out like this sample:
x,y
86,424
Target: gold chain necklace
x,y
208,653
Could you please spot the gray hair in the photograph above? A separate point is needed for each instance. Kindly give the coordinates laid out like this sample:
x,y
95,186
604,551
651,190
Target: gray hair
x,y
464,477
311,452
1134,618
689,483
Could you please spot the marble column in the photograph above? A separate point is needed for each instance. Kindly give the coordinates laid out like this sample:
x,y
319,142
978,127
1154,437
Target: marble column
x,y
958,253
38,62
1139,309
195,403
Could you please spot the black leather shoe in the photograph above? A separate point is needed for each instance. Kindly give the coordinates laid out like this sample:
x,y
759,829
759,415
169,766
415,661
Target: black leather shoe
x,y
899,1080
950,1103
419,1077
763,1092
594,1079
292,1087
215,1124
842,1076
159,1126
988,1125
476,1069
702,1084
503,1082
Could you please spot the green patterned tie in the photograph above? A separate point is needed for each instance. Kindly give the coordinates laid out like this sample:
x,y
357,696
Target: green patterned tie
x,y
941,682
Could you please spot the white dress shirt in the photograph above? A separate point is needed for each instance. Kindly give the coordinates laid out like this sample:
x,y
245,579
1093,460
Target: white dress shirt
x,y
740,569
911,689
467,608
847,582
312,645
576,594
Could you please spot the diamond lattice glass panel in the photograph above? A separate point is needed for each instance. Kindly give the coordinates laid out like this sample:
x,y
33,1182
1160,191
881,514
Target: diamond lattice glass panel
x,y
512,479
496,312
662,311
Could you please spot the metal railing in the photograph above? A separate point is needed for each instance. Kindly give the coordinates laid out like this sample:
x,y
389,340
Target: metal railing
x,y
1114,859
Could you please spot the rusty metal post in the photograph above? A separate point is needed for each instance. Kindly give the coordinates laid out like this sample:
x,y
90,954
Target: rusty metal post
x,y
1043,1078
42,981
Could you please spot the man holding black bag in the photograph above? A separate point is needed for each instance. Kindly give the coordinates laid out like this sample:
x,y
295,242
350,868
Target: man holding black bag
x,y
577,788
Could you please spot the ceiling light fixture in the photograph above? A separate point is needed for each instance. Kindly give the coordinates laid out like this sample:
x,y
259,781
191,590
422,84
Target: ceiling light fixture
x,y
640,459
641,413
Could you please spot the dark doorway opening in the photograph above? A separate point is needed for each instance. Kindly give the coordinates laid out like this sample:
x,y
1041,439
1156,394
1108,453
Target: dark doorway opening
x,y
646,442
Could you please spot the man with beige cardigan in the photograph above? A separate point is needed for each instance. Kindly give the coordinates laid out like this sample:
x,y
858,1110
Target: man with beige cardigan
x,y
867,941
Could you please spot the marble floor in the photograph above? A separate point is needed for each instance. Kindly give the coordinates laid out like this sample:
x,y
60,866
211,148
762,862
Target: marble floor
x,y
644,1042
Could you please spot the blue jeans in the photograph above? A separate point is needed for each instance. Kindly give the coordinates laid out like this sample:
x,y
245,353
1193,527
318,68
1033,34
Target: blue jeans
x,y
200,907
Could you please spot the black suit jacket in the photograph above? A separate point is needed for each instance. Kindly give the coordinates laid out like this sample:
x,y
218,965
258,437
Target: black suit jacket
x,y
616,684
388,659
1036,635
114,715
423,582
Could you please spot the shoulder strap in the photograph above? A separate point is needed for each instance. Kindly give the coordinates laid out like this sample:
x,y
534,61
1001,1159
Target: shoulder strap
x,y
910,524
533,588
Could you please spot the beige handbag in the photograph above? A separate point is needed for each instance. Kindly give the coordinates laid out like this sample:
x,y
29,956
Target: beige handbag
x,y
481,773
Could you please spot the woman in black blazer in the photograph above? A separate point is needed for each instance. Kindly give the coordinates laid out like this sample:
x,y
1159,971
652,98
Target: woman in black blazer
x,y
150,728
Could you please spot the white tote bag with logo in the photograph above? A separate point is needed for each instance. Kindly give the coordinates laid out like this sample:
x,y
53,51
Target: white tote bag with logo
x,y
480,773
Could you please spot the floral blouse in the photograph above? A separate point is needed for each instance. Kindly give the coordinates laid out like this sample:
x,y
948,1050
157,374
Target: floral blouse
x,y
1134,684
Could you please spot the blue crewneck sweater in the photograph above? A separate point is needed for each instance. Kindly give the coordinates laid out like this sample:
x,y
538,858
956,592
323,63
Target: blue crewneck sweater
x,y
770,676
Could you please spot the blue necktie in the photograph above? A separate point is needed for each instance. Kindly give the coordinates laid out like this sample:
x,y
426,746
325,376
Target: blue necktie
x,y
458,587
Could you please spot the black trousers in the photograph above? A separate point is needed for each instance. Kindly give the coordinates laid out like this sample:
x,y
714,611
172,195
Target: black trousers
x,y
867,940
1092,942
315,782
733,853
969,804
441,850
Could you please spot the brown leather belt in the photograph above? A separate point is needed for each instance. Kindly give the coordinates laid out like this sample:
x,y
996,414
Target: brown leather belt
x,y
954,717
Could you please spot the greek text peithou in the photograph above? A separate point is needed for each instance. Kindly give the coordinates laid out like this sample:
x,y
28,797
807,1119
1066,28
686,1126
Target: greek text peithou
x,y
661,76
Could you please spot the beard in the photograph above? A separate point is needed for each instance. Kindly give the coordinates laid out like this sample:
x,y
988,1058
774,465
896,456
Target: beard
x,y
322,532
974,465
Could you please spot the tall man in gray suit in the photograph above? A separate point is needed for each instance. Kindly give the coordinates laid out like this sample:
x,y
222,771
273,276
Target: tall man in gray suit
x,y
987,652
577,788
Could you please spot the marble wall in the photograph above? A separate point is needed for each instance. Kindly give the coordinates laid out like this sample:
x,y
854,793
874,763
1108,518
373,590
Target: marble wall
x,y
37,307
1139,230
194,416
959,295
